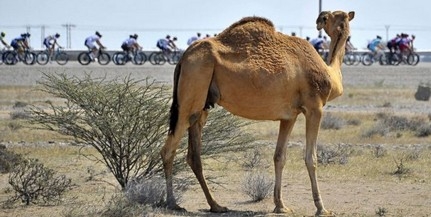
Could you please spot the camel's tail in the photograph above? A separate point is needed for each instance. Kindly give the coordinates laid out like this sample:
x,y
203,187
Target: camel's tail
x,y
173,119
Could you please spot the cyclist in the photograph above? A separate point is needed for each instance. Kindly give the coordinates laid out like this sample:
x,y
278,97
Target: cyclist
x,y
165,44
392,44
349,45
376,46
320,44
90,44
50,42
20,43
2,35
194,38
405,43
131,44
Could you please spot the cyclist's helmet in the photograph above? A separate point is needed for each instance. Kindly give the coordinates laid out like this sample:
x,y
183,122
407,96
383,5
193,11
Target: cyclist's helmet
x,y
168,36
28,35
3,34
98,34
379,37
175,38
57,35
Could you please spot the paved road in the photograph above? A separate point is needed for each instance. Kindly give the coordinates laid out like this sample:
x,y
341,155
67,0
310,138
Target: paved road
x,y
399,76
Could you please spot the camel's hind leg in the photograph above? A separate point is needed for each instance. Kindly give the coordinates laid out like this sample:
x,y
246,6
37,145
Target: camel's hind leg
x,y
194,157
280,156
168,153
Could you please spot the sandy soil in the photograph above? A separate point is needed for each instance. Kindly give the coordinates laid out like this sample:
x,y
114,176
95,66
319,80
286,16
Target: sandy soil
x,y
347,198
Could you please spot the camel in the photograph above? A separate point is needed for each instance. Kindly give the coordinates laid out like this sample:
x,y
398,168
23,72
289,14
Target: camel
x,y
257,73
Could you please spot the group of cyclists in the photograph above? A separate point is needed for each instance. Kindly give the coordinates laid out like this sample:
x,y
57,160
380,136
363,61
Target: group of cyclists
x,y
92,42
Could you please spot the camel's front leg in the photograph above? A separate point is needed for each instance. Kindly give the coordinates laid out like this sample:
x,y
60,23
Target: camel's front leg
x,y
280,156
313,118
194,158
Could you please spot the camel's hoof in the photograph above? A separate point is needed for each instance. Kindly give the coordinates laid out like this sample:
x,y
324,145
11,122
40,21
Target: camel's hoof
x,y
325,213
282,210
218,209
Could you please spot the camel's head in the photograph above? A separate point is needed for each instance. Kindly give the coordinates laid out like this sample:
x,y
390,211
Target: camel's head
x,y
335,23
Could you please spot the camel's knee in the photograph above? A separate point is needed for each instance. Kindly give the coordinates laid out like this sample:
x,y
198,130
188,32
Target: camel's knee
x,y
280,158
311,162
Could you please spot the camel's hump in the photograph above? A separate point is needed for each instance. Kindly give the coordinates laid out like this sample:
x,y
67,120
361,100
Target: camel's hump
x,y
249,20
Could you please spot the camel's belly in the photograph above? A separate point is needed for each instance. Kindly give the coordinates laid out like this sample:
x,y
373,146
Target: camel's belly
x,y
259,109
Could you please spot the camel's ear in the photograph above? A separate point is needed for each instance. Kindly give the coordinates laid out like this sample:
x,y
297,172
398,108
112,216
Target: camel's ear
x,y
321,20
351,15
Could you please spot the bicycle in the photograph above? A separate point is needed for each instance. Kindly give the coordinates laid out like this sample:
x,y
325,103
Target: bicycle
x,y
103,58
389,58
368,58
352,58
161,57
137,58
2,51
61,57
12,57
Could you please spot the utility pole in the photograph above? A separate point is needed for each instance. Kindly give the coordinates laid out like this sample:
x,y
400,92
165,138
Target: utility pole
x,y
28,30
320,11
42,35
68,27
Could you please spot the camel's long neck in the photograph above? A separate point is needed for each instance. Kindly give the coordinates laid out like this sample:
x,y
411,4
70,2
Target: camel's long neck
x,y
336,55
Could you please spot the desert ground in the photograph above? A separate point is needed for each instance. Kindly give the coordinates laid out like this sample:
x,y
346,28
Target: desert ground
x,y
365,186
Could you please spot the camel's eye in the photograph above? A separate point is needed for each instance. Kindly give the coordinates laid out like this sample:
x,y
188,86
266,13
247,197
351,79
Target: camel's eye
x,y
325,19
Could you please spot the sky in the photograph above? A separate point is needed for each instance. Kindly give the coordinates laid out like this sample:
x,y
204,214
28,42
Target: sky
x,y
152,20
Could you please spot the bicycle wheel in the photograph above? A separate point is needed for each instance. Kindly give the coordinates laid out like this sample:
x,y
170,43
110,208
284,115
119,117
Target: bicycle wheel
x,y
160,59
115,56
152,58
349,59
175,58
61,58
29,58
140,58
42,58
104,58
120,58
10,58
367,59
413,59
84,58
385,59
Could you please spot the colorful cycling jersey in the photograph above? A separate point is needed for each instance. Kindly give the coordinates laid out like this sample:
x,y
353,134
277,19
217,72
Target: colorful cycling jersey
x,y
404,41
374,43
15,41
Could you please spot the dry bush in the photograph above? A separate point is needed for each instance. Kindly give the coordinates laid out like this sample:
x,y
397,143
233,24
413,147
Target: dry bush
x,y
379,151
401,169
330,121
257,186
333,154
252,158
8,159
120,205
33,183
152,191
126,122
387,123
